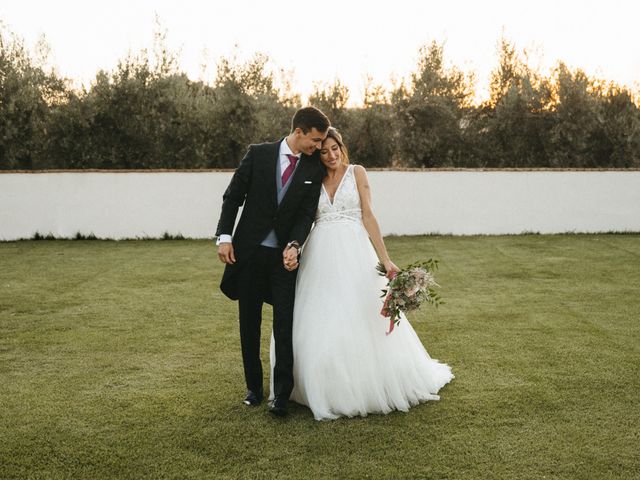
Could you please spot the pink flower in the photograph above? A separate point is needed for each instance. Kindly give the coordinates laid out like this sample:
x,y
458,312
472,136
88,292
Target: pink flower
x,y
410,292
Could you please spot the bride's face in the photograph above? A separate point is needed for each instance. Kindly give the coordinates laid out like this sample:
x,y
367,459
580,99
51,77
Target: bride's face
x,y
330,154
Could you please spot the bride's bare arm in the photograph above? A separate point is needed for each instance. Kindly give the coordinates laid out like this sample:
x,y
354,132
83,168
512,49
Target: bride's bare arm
x,y
369,219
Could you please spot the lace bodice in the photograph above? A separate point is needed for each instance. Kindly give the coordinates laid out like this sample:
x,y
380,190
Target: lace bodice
x,y
346,202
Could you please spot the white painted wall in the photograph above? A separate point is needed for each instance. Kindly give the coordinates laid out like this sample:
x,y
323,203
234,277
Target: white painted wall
x,y
148,204
497,202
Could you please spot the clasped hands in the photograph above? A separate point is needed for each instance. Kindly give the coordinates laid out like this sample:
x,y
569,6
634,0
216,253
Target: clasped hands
x,y
289,256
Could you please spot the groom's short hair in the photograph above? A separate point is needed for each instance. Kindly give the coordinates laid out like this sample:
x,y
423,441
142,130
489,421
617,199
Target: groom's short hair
x,y
307,118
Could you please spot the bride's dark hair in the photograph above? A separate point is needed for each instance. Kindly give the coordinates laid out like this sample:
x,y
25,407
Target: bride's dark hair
x,y
335,134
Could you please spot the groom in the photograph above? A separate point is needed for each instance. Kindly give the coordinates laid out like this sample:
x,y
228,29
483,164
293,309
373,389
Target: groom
x,y
279,185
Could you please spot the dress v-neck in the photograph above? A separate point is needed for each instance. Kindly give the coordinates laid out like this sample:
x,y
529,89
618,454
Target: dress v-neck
x,y
331,201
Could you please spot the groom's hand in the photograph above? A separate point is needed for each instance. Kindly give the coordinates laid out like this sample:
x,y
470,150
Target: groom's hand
x,y
226,254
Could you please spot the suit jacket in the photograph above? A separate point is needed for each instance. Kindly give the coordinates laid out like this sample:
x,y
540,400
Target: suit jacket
x,y
254,186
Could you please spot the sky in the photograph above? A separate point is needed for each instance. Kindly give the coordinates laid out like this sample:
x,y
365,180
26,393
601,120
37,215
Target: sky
x,y
335,39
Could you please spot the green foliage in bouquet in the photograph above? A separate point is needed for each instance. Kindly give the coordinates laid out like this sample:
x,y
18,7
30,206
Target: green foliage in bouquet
x,y
408,289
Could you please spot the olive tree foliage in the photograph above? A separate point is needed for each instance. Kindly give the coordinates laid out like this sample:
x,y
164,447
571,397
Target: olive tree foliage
x,y
146,113
28,91
332,99
510,126
247,108
372,137
429,113
594,124
149,115
565,120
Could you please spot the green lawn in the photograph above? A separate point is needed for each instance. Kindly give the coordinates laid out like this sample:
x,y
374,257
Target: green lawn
x,y
122,360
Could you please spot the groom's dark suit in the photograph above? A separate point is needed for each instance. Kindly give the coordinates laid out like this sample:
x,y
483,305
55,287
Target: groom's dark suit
x,y
259,275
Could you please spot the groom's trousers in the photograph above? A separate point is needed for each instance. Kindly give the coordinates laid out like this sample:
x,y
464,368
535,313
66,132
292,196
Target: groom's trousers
x,y
264,276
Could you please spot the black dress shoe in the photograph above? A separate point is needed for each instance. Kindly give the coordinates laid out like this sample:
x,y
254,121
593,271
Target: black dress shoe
x,y
253,399
279,407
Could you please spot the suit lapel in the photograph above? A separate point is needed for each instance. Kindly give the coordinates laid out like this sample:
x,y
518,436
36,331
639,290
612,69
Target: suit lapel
x,y
272,188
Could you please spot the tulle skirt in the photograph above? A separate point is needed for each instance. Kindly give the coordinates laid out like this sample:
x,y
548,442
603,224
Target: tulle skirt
x,y
344,363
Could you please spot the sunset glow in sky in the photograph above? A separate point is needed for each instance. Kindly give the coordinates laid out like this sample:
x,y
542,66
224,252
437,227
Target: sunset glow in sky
x,y
349,40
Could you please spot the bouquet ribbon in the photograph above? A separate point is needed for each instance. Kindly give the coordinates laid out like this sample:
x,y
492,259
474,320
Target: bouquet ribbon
x,y
386,313
392,323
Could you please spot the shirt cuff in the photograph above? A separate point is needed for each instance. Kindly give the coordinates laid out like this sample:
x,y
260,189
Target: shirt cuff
x,y
223,239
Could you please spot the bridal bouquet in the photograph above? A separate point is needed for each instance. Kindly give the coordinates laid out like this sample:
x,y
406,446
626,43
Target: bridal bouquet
x,y
408,289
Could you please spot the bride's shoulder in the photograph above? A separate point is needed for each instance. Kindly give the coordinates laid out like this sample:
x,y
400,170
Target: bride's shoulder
x,y
359,171
360,176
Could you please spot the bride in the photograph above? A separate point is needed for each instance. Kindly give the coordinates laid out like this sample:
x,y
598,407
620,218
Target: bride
x,y
344,364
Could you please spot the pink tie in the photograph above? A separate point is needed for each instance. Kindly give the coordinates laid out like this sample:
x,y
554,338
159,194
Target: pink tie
x,y
289,170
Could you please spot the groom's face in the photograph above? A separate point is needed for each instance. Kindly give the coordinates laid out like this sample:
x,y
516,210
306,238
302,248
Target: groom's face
x,y
311,141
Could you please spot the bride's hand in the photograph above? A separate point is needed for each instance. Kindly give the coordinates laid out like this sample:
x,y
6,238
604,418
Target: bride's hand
x,y
391,268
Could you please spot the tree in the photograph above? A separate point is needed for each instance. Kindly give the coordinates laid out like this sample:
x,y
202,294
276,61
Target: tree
x,y
371,132
517,115
332,99
429,114
621,122
248,108
27,91
575,120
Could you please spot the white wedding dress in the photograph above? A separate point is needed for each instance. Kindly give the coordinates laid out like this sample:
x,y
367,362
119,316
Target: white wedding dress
x,y
344,363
